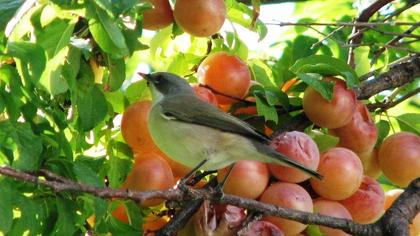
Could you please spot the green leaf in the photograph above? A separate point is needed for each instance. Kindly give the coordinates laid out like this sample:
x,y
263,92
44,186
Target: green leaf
x,y
66,217
7,10
30,59
32,218
261,73
326,66
241,14
137,91
264,109
117,101
409,122
52,79
27,146
92,108
324,141
6,206
134,214
55,36
116,76
313,230
106,32
325,88
132,40
361,58
117,170
383,130
86,175
300,47
275,96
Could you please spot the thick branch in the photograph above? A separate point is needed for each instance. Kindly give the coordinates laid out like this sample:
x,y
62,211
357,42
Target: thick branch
x,y
397,217
397,76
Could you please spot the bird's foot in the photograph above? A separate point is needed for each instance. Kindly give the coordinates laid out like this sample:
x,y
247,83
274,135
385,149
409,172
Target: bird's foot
x,y
218,192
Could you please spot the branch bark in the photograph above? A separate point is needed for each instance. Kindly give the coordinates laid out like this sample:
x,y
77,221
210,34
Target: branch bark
x,y
398,75
394,222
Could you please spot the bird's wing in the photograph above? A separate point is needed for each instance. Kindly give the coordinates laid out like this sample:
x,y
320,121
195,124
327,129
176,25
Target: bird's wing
x,y
188,108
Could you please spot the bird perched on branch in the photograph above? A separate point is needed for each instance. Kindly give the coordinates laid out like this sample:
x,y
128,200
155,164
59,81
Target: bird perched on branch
x,y
197,134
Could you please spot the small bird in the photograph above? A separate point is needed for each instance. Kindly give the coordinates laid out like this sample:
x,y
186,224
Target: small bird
x,y
193,132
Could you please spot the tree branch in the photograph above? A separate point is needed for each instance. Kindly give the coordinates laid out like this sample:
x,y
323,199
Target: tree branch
x,y
363,17
398,75
392,223
383,106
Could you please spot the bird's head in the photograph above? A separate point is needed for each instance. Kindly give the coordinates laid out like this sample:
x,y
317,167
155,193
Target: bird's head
x,y
166,84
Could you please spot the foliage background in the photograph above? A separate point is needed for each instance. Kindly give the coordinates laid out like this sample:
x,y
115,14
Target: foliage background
x,y
67,72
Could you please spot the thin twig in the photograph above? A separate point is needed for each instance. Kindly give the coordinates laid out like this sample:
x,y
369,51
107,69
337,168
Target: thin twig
x,y
395,34
393,14
346,24
327,37
392,42
383,46
363,19
383,106
401,10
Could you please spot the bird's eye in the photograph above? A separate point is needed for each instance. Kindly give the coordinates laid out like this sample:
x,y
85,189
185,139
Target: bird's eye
x,y
158,79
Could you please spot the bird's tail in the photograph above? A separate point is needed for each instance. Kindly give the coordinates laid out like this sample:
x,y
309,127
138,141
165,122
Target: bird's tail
x,y
272,156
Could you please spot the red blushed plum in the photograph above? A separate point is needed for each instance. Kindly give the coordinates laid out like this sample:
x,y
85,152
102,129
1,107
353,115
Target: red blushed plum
x,y
247,179
159,17
206,95
299,147
261,228
291,196
360,134
342,171
370,163
150,172
330,114
225,74
331,208
399,158
366,205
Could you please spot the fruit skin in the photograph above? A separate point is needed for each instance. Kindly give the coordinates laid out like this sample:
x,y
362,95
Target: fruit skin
x,y
399,158
370,163
366,205
331,208
342,171
150,172
227,74
206,95
200,18
134,127
390,197
330,114
360,134
159,17
121,214
247,179
299,147
287,195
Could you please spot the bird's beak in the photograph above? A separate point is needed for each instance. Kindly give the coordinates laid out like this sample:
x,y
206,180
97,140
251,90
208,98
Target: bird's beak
x,y
145,76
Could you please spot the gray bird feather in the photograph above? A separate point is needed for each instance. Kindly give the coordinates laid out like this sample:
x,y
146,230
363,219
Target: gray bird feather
x,y
199,112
